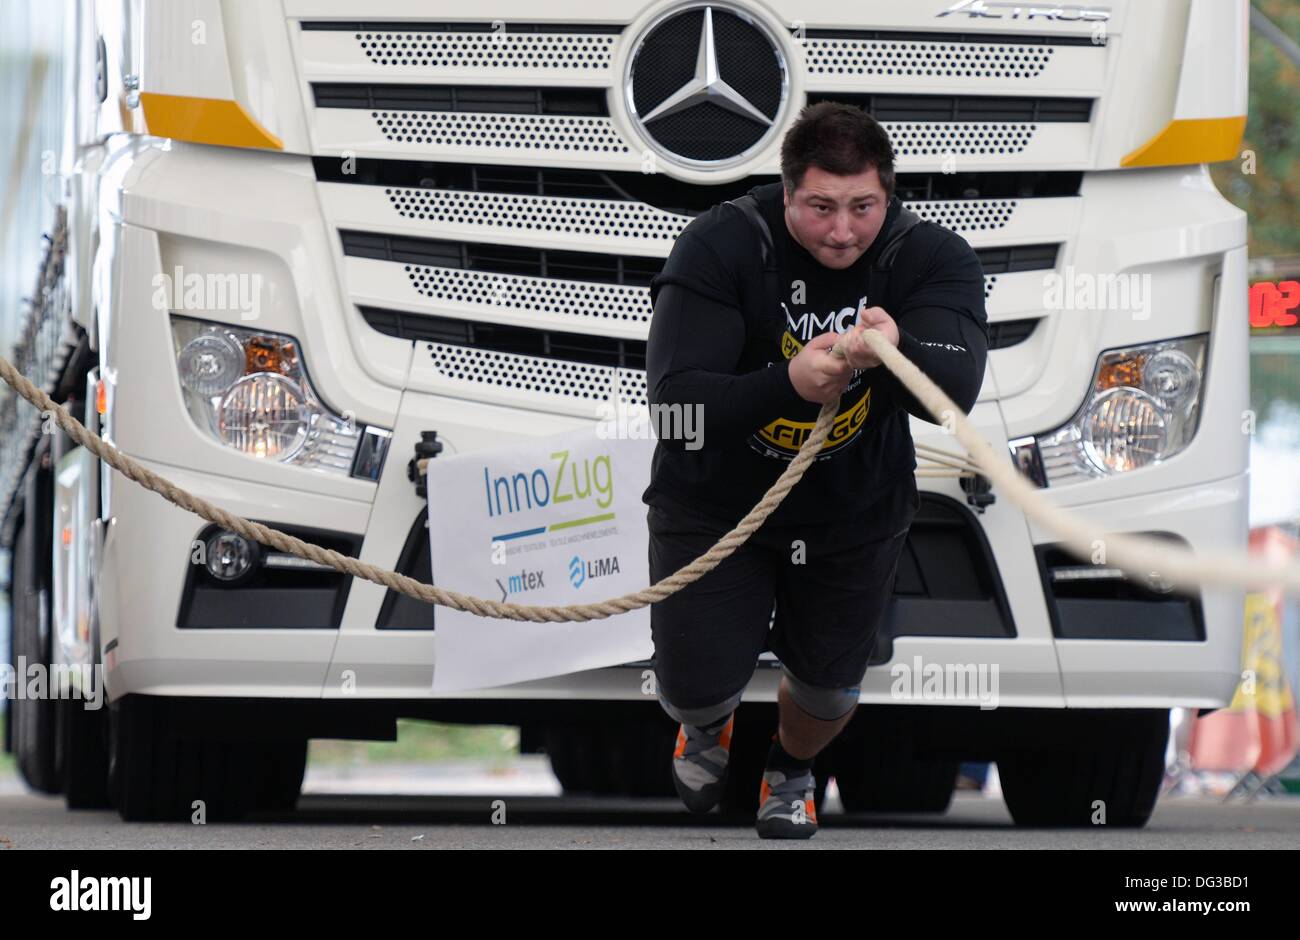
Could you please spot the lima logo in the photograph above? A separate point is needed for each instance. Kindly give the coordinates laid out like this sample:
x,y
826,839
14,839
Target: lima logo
x,y
580,570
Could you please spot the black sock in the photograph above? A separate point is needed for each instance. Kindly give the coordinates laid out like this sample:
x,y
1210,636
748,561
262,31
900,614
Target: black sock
x,y
716,727
779,759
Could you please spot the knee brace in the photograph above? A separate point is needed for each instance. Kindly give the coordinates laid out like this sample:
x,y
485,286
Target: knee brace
x,y
823,704
700,717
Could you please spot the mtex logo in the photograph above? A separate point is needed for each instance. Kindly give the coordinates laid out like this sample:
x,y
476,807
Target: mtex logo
x,y
581,569
518,583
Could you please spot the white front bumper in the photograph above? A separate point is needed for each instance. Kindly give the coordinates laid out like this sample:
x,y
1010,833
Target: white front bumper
x,y
149,543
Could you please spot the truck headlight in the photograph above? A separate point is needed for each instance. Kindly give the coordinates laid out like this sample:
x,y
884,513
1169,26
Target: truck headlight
x,y
1123,429
1143,407
265,415
249,390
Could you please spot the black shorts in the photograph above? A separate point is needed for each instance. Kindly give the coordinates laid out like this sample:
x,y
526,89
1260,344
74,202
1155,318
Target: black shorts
x,y
830,584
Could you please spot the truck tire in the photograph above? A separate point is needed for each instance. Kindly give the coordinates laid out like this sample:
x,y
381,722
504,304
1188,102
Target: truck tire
x,y
877,767
84,749
280,768
155,774
579,759
640,753
1101,761
875,784
629,757
35,722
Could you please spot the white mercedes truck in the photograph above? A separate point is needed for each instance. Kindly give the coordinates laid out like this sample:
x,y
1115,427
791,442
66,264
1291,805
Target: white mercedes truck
x,y
290,241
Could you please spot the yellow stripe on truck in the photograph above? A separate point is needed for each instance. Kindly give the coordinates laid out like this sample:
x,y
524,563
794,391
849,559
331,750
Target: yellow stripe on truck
x,y
1191,140
205,121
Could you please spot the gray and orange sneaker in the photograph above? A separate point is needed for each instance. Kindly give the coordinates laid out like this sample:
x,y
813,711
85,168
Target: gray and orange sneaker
x,y
785,806
700,763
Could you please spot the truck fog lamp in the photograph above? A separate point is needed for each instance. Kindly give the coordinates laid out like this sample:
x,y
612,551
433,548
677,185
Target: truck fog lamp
x,y
230,556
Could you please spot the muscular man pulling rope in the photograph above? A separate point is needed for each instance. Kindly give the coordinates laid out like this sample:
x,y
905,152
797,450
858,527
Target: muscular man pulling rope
x,y
751,300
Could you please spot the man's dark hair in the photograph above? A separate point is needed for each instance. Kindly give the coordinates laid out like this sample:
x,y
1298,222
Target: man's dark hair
x,y
841,139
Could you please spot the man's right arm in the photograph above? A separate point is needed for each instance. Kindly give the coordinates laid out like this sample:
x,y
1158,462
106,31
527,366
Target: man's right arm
x,y
694,349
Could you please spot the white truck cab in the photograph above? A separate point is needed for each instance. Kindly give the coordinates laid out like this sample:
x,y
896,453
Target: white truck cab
x,y
301,234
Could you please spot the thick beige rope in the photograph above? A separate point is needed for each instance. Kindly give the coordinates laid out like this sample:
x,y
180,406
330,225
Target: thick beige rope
x,y
1139,556
538,613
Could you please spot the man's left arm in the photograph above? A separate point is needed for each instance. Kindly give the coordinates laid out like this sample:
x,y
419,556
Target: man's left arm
x,y
942,327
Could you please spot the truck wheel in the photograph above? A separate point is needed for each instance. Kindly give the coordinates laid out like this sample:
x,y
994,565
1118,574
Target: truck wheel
x,y
629,757
154,774
579,759
84,746
1106,770
35,721
640,756
915,785
281,766
878,770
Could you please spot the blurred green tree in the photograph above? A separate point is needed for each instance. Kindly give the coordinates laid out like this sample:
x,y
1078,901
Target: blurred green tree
x,y
1271,194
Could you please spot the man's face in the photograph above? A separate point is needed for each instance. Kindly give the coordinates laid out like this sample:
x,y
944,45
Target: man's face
x,y
836,217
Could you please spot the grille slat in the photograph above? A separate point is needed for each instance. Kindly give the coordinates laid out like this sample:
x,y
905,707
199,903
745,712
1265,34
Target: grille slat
x,y
1012,39
598,142
395,26
1011,332
987,109
606,287
565,346
390,26
591,102
667,195
502,259
603,268
478,99
1012,259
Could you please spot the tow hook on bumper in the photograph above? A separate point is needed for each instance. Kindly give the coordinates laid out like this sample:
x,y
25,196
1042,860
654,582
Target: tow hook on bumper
x,y
979,491
427,448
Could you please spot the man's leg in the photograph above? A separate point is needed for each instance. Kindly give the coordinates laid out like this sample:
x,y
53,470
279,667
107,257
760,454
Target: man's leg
x,y
810,718
700,717
805,734
829,606
702,751
707,638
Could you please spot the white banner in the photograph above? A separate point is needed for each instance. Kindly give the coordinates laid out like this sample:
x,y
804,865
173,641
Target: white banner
x,y
548,520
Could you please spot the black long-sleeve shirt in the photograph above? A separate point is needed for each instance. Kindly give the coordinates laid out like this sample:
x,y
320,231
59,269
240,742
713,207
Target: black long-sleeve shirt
x,y
717,342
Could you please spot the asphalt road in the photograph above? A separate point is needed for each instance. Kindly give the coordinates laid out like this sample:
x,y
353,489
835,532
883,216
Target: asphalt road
x,y
335,820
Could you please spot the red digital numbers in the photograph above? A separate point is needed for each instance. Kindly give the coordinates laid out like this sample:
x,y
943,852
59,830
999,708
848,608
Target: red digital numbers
x,y
1272,304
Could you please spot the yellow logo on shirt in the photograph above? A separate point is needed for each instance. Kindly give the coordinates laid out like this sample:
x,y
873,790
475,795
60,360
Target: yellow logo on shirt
x,y
788,435
790,346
